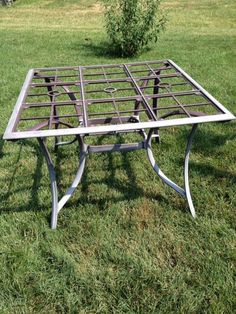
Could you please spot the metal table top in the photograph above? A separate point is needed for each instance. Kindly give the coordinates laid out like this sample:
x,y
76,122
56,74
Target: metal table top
x,y
114,98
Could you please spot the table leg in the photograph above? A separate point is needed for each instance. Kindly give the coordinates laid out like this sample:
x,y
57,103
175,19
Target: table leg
x,y
70,191
52,176
157,169
57,206
186,170
183,192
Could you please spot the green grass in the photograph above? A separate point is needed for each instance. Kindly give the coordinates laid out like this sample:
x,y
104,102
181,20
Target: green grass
x,y
125,243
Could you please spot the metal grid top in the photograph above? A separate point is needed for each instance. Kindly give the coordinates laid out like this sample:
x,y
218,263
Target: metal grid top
x,y
110,98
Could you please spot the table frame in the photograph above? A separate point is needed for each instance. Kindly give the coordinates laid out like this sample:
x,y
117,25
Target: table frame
x,y
148,130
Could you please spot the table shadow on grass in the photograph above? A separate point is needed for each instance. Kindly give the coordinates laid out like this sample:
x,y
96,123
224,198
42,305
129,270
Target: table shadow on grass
x,y
34,203
129,191
1,147
14,167
205,141
204,169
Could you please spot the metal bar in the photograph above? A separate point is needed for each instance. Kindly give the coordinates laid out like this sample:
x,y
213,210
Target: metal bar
x,y
49,88
72,97
11,126
118,99
150,112
117,73
115,80
127,147
138,110
48,117
118,128
46,94
53,109
186,170
71,190
61,83
76,68
178,102
85,115
138,102
45,123
48,104
144,97
53,182
93,114
155,91
111,120
155,100
145,62
113,99
102,90
200,88
179,112
122,118
121,65
38,126
76,115
66,142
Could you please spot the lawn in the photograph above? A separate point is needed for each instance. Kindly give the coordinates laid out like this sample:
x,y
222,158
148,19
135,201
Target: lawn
x,y
125,242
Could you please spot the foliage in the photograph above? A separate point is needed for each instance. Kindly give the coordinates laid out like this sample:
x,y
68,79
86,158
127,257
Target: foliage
x,y
132,24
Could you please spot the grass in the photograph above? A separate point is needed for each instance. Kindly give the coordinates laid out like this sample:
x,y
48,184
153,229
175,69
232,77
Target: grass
x,y
125,243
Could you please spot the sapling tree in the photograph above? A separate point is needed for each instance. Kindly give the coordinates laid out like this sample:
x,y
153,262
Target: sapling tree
x,y
133,24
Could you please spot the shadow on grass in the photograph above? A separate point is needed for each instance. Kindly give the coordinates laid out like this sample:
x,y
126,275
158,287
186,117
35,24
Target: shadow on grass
x,y
130,191
101,49
13,173
1,146
205,140
206,170
104,49
33,204
37,176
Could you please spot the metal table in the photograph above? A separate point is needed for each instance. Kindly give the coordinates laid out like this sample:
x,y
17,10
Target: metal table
x,y
99,100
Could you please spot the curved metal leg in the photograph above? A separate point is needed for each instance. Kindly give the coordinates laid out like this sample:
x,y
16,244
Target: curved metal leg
x,y
57,206
70,191
186,170
53,181
158,170
183,192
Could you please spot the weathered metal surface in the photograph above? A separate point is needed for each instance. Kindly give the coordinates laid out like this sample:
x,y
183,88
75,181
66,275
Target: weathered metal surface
x,y
65,101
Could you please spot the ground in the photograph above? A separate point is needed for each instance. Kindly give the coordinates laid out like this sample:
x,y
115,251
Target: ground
x,y
125,243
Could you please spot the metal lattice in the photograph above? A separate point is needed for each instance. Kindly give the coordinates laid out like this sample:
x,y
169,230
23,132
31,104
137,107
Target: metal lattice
x,y
67,100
